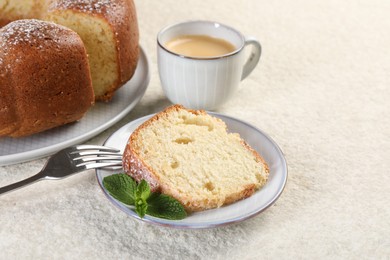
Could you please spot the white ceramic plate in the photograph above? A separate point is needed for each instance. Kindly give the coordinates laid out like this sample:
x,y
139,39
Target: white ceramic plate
x,y
235,212
100,117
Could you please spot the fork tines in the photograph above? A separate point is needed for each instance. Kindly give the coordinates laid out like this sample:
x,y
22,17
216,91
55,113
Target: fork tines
x,y
95,147
91,157
103,155
109,164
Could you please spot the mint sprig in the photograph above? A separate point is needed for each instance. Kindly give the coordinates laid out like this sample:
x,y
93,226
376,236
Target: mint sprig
x,y
142,194
121,187
125,189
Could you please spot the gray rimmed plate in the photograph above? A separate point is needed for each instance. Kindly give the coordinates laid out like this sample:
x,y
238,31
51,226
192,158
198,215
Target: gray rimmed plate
x,y
236,212
100,117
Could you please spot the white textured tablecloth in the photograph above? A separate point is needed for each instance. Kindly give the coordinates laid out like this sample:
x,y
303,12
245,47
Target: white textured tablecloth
x,y
321,91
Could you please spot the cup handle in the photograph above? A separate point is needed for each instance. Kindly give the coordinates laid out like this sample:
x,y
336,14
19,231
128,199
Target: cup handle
x,y
253,58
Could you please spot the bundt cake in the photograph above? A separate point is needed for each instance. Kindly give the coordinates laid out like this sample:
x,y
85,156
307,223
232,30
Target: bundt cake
x,y
44,77
108,28
190,156
33,79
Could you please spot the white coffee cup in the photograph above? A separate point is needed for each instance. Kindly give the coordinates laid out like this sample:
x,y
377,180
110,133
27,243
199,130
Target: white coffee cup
x,y
204,83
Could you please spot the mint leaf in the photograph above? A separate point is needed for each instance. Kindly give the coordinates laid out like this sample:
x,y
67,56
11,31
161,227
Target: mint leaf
x,y
141,195
122,187
143,190
164,206
141,207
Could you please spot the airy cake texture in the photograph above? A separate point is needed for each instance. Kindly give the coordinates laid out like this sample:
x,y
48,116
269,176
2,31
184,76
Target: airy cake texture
x,y
109,30
11,10
189,155
44,77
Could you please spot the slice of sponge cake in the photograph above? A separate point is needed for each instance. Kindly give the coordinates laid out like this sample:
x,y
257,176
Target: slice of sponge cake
x,y
190,156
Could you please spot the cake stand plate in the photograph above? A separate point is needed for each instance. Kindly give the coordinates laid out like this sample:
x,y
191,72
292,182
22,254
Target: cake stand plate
x,y
100,117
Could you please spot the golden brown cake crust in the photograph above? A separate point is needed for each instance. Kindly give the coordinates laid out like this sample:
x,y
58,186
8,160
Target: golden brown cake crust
x,y
46,77
7,111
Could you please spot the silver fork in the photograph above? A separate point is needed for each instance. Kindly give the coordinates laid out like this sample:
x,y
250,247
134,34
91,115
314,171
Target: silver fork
x,y
72,160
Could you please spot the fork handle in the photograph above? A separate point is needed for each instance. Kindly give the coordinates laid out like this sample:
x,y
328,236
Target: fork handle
x,y
21,184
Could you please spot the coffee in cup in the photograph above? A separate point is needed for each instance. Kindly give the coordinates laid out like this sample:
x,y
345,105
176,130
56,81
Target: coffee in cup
x,y
201,63
199,46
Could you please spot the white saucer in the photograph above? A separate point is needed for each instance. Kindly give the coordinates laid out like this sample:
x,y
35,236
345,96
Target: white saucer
x,y
100,117
233,213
